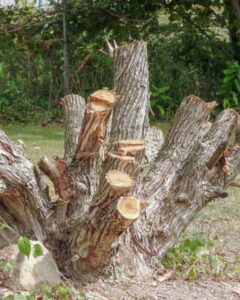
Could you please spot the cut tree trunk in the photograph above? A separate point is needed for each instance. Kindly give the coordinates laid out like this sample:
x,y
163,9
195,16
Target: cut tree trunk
x,y
123,198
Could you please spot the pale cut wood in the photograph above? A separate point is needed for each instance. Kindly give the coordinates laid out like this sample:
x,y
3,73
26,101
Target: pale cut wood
x,y
108,214
123,158
50,170
116,181
130,143
102,100
130,146
97,113
57,174
129,207
119,180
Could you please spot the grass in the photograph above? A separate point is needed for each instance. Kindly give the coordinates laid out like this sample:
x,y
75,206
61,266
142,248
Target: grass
x,y
38,140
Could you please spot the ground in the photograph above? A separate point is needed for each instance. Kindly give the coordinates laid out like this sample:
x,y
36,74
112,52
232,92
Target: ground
x,y
219,221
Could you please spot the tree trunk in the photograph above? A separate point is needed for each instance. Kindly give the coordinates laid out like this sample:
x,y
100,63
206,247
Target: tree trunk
x,y
121,198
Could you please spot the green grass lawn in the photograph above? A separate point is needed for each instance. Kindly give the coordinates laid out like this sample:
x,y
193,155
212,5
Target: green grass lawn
x,y
38,140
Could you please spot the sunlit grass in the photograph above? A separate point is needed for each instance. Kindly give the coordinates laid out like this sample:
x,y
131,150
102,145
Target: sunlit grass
x,y
45,140
38,140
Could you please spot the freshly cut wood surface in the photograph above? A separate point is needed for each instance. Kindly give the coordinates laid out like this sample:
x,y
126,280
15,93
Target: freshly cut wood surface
x,y
118,179
102,100
130,145
129,207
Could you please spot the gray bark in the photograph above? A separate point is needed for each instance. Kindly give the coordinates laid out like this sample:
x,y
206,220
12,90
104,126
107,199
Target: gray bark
x,y
131,83
74,108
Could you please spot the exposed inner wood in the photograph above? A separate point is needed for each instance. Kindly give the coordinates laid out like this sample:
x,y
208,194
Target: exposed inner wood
x,y
119,180
130,146
129,207
105,96
90,152
49,169
95,122
127,123
95,238
123,158
57,174
102,100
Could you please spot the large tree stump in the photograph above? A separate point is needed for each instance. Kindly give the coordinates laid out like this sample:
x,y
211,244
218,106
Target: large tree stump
x,y
122,198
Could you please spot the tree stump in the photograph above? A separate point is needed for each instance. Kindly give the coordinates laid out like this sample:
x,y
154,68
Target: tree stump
x,y
122,197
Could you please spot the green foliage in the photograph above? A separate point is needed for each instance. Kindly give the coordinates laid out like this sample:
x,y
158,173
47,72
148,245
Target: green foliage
x,y
24,245
37,250
188,45
5,266
160,100
2,226
194,259
236,267
229,90
45,292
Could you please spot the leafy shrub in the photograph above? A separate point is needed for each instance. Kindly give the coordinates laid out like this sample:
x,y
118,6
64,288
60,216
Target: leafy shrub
x,y
229,91
160,100
195,258
25,247
45,292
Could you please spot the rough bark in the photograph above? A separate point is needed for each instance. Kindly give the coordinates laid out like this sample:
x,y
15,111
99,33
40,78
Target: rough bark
x,y
74,108
91,240
122,198
91,244
20,194
154,141
130,116
181,181
132,89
